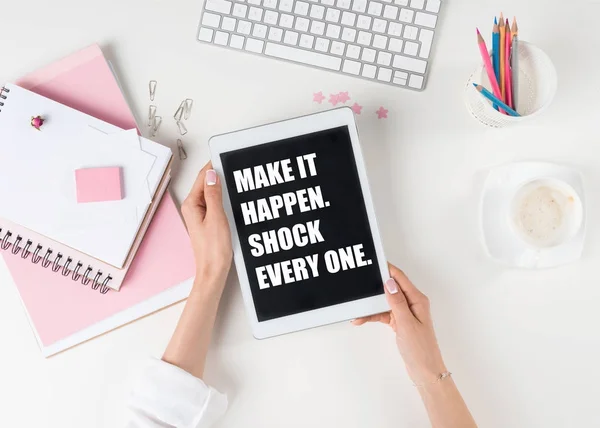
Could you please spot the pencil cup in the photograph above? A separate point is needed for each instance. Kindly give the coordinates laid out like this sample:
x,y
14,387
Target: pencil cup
x,y
536,88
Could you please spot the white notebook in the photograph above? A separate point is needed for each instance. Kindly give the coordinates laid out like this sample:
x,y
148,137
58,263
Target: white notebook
x,y
37,182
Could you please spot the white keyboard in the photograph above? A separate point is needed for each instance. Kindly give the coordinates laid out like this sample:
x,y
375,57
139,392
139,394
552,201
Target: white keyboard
x,y
387,41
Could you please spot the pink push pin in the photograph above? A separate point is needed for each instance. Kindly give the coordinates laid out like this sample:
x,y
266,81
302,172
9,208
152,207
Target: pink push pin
x,y
37,122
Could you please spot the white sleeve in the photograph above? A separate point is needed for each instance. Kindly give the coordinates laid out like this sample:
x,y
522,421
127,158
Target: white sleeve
x,y
166,396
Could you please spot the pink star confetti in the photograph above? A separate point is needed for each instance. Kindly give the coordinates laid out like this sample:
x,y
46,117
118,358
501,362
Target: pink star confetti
x,y
356,108
334,99
343,97
318,97
382,113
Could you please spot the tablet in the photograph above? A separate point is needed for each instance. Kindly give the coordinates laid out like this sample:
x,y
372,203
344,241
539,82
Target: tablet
x,y
306,243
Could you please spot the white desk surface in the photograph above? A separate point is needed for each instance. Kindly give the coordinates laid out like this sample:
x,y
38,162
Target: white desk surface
x,y
523,345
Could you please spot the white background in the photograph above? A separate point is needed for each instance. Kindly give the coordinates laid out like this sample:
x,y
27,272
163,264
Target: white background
x,y
523,345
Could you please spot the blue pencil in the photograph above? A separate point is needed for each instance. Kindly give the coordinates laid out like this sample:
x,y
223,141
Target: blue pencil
x,y
495,100
496,51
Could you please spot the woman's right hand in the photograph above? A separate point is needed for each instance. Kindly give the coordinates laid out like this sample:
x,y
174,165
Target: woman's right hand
x,y
410,318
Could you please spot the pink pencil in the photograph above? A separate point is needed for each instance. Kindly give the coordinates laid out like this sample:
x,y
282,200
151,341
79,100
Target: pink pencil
x,y
487,63
508,71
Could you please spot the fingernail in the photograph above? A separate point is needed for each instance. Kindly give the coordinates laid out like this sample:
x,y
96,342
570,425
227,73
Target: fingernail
x,y
211,177
391,286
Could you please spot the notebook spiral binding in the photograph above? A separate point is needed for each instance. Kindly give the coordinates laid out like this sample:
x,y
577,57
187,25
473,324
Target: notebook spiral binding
x,y
76,273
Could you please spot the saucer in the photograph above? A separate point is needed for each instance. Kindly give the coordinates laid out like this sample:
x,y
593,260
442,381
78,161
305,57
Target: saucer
x,y
500,238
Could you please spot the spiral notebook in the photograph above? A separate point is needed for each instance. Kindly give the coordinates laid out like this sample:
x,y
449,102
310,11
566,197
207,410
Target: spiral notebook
x,y
91,242
62,312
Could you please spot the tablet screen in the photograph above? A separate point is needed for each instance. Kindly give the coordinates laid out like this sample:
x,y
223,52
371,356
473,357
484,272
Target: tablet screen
x,y
302,223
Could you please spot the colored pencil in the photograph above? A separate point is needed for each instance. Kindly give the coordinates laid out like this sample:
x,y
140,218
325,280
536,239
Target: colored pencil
x,y
507,76
487,64
502,29
495,100
514,64
496,50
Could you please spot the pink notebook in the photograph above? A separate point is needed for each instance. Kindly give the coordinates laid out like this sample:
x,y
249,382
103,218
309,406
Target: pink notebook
x,y
63,313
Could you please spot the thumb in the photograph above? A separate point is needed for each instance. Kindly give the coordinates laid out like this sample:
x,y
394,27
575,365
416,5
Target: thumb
x,y
212,192
397,300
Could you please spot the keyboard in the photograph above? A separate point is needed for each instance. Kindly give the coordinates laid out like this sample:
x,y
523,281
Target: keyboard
x,y
388,41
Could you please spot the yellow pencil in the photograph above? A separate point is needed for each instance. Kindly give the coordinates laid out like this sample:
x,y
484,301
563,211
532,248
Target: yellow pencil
x,y
502,28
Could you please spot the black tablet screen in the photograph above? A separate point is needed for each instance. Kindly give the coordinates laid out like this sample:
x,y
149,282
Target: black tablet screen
x,y
302,223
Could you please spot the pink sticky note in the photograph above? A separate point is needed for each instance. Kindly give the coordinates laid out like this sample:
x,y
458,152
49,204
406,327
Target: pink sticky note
x,y
98,184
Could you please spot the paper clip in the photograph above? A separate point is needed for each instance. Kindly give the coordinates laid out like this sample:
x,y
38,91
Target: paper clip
x,y
179,113
152,88
181,150
151,114
182,128
156,125
188,108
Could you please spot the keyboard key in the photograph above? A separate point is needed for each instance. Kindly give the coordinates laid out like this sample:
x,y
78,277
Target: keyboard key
x,y
302,24
384,58
364,22
410,64
228,23
270,4
211,20
306,41
221,38
317,11
425,20
240,10
333,15
415,81
390,12
359,6
254,2
400,78
255,14
303,56
348,34
259,31
220,6
348,18
333,31
271,17
410,32
290,38
286,5
254,45
328,2
395,29
301,8
426,39
433,6
351,67
244,27
379,25
415,4
369,71
384,74
406,15
379,41
375,8
236,41
322,45
395,45
411,48
368,55
205,34
286,21
337,48
364,38
275,34
344,4
401,2
317,27
353,51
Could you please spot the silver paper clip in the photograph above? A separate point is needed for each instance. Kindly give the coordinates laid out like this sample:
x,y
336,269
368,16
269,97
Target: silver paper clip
x,y
188,108
181,150
182,128
179,113
151,114
152,88
156,125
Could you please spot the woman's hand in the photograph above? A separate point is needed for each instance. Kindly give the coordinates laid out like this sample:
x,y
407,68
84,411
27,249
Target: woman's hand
x,y
209,231
410,318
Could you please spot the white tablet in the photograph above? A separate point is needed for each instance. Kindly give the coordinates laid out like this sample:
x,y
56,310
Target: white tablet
x,y
306,243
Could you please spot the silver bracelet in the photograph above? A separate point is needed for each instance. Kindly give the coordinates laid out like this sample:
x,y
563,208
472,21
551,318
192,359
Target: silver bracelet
x,y
440,378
